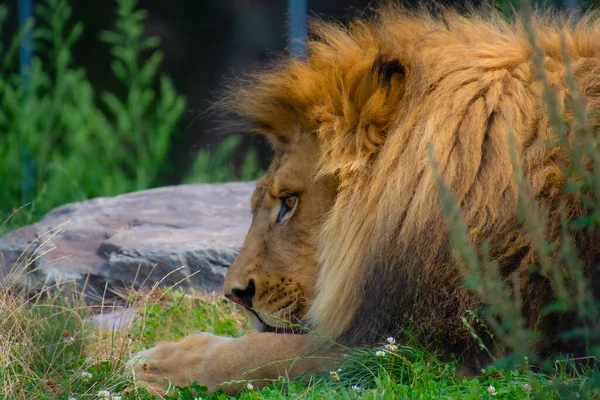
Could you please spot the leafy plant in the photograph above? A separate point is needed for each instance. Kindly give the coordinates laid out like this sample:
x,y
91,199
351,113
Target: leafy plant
x,y
61,140
217,166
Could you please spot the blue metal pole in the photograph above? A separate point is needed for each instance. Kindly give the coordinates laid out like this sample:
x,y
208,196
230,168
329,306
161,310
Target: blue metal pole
x,y
26,45
25,61
572,4
297,14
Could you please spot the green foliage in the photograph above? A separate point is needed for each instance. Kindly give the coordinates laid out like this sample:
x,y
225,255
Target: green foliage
x,y
218,166
61,140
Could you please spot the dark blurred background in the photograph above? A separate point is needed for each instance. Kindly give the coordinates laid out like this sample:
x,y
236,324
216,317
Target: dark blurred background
x,y
205,42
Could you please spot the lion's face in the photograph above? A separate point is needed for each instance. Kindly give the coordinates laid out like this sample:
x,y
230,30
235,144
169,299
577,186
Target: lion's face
x,y
274,276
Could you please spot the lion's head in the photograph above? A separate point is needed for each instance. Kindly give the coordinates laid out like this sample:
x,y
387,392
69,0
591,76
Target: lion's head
x,y
274,276
348,234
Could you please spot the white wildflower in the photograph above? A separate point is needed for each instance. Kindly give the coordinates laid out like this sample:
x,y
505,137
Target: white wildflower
x,y
391,340
380,353
334,376
69,339
86,376
491,390
105,394
115,398
390,347
355,388
526,387
249,386
72,398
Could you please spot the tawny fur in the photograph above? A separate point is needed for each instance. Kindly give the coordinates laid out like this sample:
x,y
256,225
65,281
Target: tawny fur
x,y
365,253
226,363
377,93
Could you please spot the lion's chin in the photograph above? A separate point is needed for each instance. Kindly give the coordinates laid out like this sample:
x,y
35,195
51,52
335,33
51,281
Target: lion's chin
x,y
261,326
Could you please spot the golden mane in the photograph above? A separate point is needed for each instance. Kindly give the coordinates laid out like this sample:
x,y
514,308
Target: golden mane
x,y
377,93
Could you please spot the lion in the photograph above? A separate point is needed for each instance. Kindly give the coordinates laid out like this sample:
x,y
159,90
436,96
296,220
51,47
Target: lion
x,y
348,242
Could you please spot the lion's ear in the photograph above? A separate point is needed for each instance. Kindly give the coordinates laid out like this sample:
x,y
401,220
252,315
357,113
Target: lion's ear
x,y
355,123
388,69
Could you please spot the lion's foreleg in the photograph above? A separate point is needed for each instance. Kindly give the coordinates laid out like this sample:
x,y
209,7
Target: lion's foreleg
x,y
228,363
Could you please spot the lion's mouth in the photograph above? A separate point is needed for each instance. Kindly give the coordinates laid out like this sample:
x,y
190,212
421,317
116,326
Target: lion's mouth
x,y
260,325
264,327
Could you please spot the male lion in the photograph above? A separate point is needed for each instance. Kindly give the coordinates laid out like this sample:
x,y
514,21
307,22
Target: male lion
x,y
348,237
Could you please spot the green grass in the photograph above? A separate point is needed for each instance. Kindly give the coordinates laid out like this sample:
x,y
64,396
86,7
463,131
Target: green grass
x,y
49,349
171,315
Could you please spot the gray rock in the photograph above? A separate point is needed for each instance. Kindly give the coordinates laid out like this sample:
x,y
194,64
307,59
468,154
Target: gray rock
x,y
184,235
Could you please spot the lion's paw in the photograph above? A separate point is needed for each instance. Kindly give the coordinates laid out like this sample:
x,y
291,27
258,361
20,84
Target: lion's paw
x,y
176,363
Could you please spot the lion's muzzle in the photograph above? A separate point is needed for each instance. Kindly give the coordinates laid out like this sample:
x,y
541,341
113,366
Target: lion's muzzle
x,y
243,297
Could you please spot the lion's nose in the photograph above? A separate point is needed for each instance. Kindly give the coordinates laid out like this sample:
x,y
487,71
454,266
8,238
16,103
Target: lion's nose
x,y
243,296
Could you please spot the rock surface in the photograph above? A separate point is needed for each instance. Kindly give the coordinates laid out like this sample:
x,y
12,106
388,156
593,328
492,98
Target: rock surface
x,y
186,235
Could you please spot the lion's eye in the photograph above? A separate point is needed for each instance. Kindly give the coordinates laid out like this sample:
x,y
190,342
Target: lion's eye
x,y
287,204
